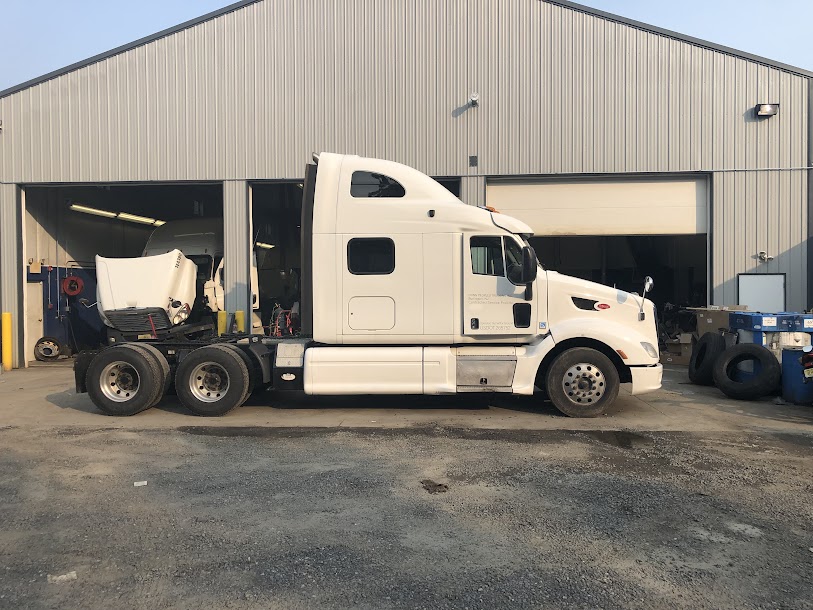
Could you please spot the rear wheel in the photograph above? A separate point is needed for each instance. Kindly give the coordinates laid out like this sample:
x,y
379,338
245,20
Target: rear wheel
x,y
162,363
212,380
164,377
582,382
122,381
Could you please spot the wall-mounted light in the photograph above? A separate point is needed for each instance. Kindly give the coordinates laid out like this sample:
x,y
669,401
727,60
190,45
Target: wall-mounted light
x,y
764,257
474,99
766,110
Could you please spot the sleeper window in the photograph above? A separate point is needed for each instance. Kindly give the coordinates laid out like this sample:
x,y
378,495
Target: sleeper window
x,y
370,184
486,256
371,256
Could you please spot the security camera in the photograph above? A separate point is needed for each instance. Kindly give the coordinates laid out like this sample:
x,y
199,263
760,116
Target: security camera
x,y
474,99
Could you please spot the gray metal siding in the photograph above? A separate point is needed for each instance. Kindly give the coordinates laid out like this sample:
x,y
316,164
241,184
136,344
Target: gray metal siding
x,y
236,254
11,299
249,94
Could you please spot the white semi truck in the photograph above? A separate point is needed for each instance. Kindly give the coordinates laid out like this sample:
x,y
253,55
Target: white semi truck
x,y
404,290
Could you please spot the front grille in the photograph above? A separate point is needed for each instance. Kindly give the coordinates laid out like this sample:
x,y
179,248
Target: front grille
x,y
137,320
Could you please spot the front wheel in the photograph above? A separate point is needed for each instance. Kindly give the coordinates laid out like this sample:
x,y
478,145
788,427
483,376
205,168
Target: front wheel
x,y
582,382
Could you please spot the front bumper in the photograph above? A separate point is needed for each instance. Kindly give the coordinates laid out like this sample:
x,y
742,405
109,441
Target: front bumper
x,y
646,378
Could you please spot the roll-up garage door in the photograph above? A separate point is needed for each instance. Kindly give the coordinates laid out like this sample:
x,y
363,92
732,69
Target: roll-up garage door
x,y
605,206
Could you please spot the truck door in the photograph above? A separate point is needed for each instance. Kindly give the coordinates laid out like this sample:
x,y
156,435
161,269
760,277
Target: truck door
x,y
492,304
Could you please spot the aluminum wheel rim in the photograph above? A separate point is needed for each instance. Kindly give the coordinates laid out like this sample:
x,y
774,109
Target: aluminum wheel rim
x,y
583,384
48,349
209,382
120,381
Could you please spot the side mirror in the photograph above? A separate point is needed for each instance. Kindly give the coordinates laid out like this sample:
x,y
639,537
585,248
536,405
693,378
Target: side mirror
x,y
528,265
649,283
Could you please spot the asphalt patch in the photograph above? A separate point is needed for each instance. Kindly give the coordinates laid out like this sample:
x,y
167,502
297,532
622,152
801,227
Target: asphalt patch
x,y
434,488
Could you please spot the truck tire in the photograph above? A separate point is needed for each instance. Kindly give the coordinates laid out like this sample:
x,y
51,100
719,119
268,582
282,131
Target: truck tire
x,y
48,349
255,375
212,380
582,382
163,366
764,382
704,355
122,381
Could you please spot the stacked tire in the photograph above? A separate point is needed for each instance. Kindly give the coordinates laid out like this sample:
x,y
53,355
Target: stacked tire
x,y
714,364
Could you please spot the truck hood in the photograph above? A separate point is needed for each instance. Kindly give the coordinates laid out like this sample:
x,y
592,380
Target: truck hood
x,y
572,297
145,282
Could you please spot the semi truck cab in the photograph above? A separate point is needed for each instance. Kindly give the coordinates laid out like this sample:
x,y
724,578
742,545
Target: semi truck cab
x,y
407,290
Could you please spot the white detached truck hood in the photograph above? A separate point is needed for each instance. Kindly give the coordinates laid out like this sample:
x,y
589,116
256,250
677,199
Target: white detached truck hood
x,y
148,282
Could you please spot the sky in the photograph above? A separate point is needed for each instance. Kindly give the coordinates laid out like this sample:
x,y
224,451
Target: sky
x,y
40,36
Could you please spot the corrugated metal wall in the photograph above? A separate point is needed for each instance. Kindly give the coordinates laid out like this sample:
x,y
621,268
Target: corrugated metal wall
x,y
250,94
11,299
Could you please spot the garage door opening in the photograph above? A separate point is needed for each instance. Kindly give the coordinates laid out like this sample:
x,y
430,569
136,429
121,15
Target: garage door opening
x,y
276,216
678,263
67,226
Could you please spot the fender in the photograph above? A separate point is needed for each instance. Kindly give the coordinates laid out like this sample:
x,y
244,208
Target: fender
x,y
619,337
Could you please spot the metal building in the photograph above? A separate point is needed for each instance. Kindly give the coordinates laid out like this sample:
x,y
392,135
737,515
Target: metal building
x,y
612,138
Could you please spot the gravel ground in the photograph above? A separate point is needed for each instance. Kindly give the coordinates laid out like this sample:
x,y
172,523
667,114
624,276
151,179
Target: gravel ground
x,y
427,517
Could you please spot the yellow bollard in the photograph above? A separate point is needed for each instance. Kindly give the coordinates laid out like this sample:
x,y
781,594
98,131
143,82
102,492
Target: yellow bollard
x,y
222,319
240,321
6,332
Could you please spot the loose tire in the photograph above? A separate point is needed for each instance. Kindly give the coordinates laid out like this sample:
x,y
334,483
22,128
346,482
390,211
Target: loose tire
x,y
704,356
765,381
122,381
48,349
582,382
212,380
165,377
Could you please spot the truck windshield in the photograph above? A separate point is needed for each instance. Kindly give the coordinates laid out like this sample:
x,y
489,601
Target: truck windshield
x,y
205,266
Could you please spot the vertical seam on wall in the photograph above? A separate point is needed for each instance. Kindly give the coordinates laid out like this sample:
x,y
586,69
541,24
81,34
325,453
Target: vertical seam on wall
x,y
809,187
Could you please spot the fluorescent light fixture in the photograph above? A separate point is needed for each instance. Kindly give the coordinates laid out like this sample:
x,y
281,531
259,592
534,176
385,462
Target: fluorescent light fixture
x,y
83,208
121,215
133,218
264,245
766,109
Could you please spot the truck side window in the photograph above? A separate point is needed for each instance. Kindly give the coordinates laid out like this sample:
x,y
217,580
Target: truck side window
x,y
370,184
486,256
371,256
513,260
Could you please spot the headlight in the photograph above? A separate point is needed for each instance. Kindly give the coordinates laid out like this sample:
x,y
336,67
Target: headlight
x,y
650,349
183,314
